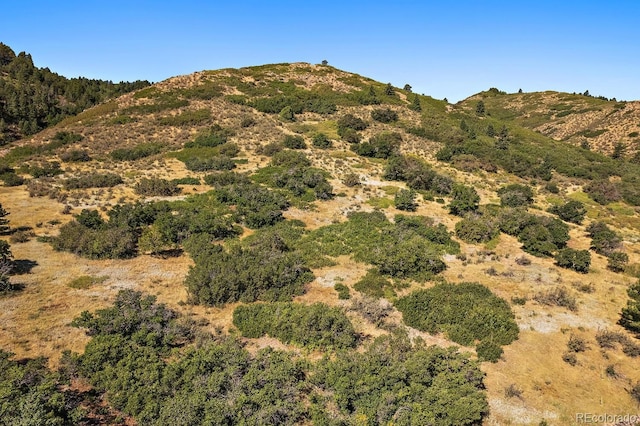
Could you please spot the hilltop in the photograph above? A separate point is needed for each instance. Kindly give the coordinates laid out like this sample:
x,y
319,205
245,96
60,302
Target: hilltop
x,y
487,225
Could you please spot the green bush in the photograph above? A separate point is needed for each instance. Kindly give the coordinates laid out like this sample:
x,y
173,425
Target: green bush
x,y
343,291
267,271
578,260
384,115
322,141
476,229
630,316
381,145
604,241
136,153
465,312
294,142
617,261
93,180
375,285
464,199
75,156
186,118
409,248
11,179
515,195
573,211
311,326
156,187
405,199
196,164
212,137
440,385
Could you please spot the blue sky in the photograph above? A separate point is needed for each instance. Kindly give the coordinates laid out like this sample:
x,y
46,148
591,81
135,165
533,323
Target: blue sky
x,y
444,49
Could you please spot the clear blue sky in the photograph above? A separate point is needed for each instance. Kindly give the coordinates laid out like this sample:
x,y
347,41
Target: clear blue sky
x,y
443,49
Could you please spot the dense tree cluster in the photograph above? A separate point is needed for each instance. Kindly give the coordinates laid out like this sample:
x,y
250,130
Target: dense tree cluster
x,y
33,98
311,326
466,312
267,270
409,248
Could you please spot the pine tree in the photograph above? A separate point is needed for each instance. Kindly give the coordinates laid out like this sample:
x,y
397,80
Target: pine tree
x,y
480,110
415,103
389,90
630,316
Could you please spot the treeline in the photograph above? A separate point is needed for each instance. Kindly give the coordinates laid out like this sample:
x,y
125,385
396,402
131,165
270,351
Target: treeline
x,y
33,98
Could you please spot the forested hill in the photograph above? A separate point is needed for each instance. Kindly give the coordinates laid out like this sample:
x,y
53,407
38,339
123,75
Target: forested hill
x,y
32,98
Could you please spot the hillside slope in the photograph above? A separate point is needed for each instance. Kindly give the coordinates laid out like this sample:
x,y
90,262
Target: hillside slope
x,y
341,182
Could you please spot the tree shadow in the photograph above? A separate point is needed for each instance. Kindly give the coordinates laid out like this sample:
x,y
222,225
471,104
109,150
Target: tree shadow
x,y
23,266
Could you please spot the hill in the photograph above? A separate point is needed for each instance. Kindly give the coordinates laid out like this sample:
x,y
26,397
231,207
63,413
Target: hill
x,y
307,234
33,98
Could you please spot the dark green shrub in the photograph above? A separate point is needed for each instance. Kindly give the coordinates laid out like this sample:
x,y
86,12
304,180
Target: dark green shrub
x,y
156,187
604,241
47,169
94,180
578,260
214,136
515,195
11,179
384,115
266,271
197,164
361,385
226,178
343,291
405,199
476,229
464,199
290,159
489,351
187,180
311,326
322,141
617,261
294,142
573,212
75,156
381,145
466,313
375,285
90,219
287,114
137,152
630,316
349,121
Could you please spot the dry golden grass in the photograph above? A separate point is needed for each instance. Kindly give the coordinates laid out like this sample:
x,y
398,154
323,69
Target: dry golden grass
x,y
36,321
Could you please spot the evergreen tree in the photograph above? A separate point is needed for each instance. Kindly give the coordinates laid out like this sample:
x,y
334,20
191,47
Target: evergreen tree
x,y
480,109
491,132
407,87
630,316
415,103
389,90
